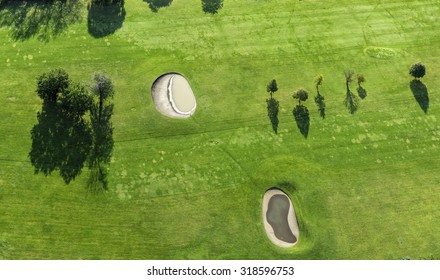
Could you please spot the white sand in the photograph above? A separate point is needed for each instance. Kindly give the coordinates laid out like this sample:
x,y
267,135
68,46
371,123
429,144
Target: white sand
x,y
173,96
293,223
181,95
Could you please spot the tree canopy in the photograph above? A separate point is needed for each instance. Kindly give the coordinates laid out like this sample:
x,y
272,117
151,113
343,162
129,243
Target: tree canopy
x,y
272,87
417,70
301,94
51,84
102,86
318,81
75,100
64,139
360,79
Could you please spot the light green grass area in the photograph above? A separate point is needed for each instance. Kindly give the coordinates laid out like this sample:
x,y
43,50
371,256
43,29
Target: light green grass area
x,y
364,186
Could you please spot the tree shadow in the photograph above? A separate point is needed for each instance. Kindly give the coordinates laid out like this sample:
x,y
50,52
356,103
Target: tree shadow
x,y
101,152
105,17
319,101
351,102
43,19
273,107
302,118
211,6
362,92
155,5
60,141
420,92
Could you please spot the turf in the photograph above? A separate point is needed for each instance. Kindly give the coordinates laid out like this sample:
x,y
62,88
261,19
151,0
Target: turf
x,y
364,186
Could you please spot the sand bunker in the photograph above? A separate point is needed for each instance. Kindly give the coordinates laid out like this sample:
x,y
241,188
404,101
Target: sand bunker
x,y
279,218
173,96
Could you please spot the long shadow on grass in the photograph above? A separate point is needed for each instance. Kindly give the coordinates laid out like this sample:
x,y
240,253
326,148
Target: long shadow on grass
x,y
105,17
420,92
302,118
351,101
272,112
155,5
102,147
43,19
362,92
59,142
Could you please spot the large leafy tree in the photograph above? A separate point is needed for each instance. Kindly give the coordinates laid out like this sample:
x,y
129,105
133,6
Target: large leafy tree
x,y
51,84
61,139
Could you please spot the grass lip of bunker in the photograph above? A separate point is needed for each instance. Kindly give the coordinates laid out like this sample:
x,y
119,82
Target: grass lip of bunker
x,y
172,95
279,218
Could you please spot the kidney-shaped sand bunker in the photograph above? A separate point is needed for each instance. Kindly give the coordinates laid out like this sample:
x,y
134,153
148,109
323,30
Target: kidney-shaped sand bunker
x,y
172,95
279,218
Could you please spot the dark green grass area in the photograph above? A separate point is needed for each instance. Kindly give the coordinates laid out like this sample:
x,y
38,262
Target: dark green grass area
x,y
364,186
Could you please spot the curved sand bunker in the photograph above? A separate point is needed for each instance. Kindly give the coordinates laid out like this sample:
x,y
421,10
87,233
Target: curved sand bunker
x,y
173,96
279,218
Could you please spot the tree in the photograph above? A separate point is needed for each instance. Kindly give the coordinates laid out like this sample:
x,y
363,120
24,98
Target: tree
x,y
211,6
102,87
300,112
351,101
51,84
348,77
319,99
360,79
75,100
273,105
61,139
272,87
102,144
300,94
417,70
318,81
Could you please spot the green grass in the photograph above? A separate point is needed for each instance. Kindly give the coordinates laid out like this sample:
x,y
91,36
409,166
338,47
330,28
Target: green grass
x,y
364,186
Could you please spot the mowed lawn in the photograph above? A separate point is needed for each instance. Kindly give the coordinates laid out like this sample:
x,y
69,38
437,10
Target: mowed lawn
x,y
364,186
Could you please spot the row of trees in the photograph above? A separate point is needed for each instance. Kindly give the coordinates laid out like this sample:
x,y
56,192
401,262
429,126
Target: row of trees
x,y
74,127
351,101
300,111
